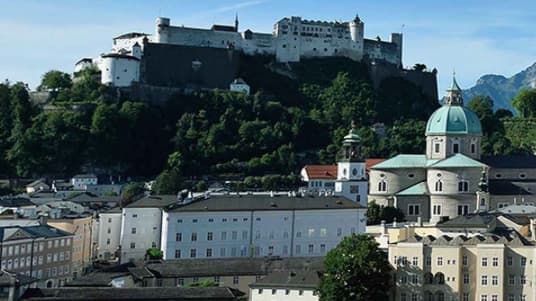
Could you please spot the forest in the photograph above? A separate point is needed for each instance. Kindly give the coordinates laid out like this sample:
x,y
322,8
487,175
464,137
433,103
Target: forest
x,y
261,139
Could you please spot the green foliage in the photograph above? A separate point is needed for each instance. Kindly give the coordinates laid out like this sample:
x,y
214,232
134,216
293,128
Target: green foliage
x,y
204,283
377,213
130,191
168,182
154,253
355,270
55,80
525,103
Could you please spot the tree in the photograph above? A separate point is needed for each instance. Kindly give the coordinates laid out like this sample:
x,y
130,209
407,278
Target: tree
x,y
355,270
168,182
377,213
55,81
154,254
483,107
130,191
525,103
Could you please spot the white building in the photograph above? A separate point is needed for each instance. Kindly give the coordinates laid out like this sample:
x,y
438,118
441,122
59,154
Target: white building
x,y
319,177
81,181
257,226
239,85
109,237
141,225
286,286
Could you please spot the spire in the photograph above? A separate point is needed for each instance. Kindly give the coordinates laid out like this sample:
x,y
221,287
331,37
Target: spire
x,y
454,93
236,22
357,19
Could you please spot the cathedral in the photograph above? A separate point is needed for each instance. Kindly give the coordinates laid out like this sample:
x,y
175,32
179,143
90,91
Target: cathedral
x,y
452,178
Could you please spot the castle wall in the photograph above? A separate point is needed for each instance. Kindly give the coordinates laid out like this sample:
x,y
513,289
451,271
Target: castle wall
x,y
127,43
382,51
426,80
119,71
199,37
186,66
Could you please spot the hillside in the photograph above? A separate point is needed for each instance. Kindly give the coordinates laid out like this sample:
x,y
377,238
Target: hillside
x,y
502,89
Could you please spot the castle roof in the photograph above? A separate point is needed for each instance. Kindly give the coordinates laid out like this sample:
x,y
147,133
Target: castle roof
x,y
403,161
321,172
131,35
510,161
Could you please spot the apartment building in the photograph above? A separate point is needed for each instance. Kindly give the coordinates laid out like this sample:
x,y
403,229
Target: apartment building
x,y
109,237
258,226
40,251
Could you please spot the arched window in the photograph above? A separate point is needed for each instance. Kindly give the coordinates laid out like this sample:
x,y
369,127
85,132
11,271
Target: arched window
x,y
382,185
428,278
428,296
439,278
439,185
482,202
440,296
463,186
473,148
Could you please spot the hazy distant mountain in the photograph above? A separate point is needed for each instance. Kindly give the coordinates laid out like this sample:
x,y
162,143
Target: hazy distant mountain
x,y
503,89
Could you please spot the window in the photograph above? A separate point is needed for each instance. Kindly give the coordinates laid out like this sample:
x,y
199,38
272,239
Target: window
x,y
224,235
484,280
354,188
428,261
437,210
463,186
311,232
179,221
464,260
456,148
194,220
484,261
415,261
465,297
260,291
133,231
523,279
414,279
436,148
439,185
439,261
483,297
323,232
414,209
494,280
234,235
134,216
193,253
511,280
463,209
403,297
495,261
382,186
209,252
178,237
132,246
322,248
194,236
209,235
509,260
298,249
339,232
473,148
465,278
245,235
177,253
310,249
523,261
210,220
511,298
236,279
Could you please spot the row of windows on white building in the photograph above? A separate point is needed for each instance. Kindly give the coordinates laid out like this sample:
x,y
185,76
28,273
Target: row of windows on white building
x,y
258,251
495,262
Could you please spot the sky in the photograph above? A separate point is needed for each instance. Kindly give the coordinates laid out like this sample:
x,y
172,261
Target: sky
x,y
472,37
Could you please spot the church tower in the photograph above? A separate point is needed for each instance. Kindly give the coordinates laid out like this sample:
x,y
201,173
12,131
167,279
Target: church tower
x,y
453,129
482,195
352,181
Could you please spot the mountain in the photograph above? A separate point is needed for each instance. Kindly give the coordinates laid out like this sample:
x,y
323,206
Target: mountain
x,y
502,89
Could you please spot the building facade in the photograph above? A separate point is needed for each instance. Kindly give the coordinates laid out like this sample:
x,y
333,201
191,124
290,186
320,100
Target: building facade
x,y
83,245
258,226
109,237
39,251
141,226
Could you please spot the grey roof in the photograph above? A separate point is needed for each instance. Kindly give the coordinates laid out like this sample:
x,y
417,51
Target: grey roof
x,y
505,187
289,279
518,209
140,273
510,161
87,197
138,293
84,176
481,220
38,182
6,278
113,210
266,202
102,277
31,232
130,35
231,266
154,201
15,202
508,237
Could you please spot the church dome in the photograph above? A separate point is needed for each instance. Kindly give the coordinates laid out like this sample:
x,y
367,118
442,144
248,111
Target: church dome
x,y
453,119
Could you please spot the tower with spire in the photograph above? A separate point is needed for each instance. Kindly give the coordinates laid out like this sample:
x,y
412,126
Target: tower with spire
x,y
236,22
454,93
352,181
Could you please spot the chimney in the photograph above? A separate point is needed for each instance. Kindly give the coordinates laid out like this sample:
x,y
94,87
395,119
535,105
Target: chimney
x,y
394,223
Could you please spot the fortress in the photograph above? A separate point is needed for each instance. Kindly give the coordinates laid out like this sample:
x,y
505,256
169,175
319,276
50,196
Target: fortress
x,y
291,40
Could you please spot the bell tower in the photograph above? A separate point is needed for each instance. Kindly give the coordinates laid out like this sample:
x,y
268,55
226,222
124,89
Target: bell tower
x,y
352,181
454,94
482,195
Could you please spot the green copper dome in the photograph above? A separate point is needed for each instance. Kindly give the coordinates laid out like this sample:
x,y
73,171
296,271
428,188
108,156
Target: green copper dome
x,y
455,120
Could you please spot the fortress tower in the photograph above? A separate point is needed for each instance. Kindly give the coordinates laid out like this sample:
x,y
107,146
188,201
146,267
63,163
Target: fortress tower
x,y
357,33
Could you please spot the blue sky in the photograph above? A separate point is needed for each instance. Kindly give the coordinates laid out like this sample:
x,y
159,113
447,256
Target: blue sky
x,y
474,37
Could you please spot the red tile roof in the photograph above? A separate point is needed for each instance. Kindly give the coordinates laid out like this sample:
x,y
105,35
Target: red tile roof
x,y
373,161
326,172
